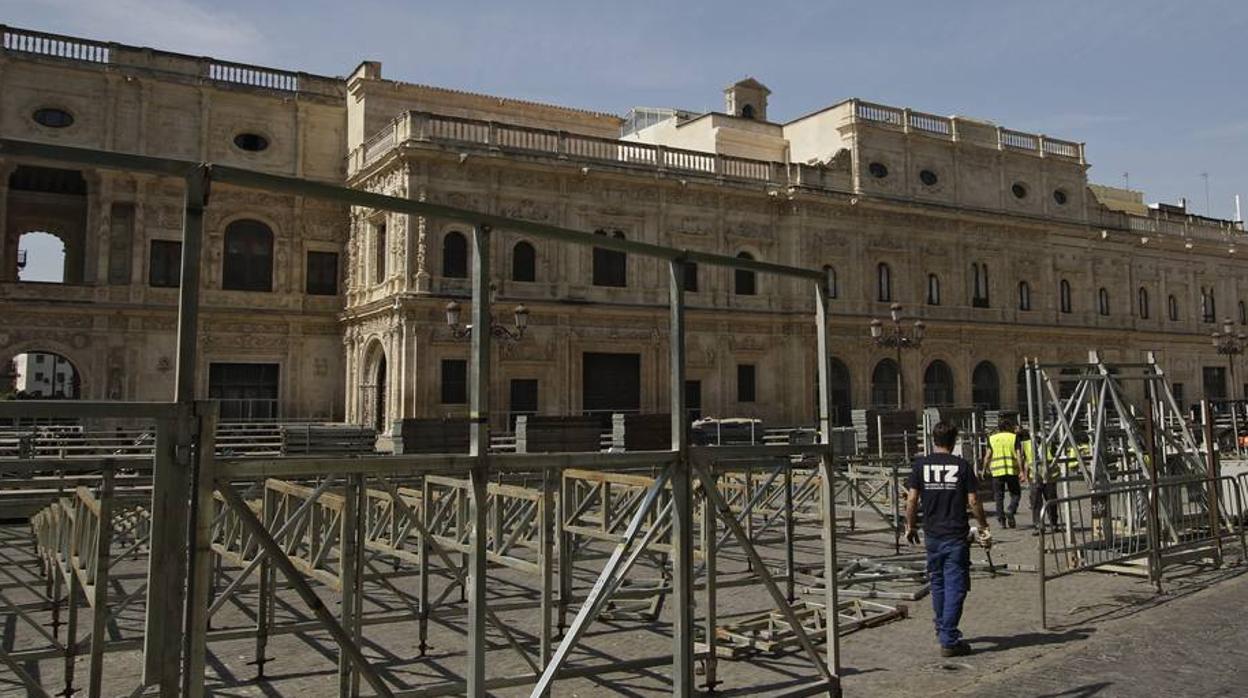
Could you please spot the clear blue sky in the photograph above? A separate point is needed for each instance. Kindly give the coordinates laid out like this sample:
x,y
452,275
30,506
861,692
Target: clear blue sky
x,y
1155,87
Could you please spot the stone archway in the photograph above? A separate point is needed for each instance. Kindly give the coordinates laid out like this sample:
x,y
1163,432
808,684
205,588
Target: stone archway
x,y
41,374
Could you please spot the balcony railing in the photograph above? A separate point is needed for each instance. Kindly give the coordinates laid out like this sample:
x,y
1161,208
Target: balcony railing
x,y
451,130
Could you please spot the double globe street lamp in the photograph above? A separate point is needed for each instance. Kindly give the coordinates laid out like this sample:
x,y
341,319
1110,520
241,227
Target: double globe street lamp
x,y
501,332
897,338
1229,344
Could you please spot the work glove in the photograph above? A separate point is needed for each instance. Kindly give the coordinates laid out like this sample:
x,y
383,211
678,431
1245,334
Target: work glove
x,y
912,536
985,538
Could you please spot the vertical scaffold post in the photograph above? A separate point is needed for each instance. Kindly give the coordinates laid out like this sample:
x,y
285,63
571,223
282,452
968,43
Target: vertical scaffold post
x,y
479,443
822,294
1213,469
99,583
682,496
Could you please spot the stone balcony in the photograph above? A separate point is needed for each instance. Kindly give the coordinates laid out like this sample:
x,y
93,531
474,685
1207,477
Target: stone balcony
x,y
958,129
46,46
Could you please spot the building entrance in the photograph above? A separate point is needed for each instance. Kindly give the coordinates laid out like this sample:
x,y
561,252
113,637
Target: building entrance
x,y
610,383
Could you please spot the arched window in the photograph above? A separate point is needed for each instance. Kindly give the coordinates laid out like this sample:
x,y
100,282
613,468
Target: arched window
x,y
610,266
523,262
248,263
1102,301
884,385
747,111
842,404
883,283
834,290
1064,296
979,295
455,255
933,289
1172,307
1142,302
1243,314
1208,309
986,386
743,279
937,385
1024,295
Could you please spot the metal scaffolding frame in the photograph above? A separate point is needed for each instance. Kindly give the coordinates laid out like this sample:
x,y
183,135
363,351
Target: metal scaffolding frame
x,y
313,512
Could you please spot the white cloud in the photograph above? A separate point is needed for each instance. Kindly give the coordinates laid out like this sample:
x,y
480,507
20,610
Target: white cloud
x,y
174,25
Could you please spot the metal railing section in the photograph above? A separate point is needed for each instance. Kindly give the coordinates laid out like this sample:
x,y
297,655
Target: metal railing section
x,y
1128,523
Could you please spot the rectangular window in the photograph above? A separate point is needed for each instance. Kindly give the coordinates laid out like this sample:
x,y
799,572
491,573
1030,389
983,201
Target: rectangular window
x,y
379,253
691,277
693,400
1177,389
322,274
745,383
1214,380
523,399
246,391
454,382
164,268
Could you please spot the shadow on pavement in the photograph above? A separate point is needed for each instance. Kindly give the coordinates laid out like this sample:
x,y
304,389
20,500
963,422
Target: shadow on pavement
x,y
1009,642
1087,691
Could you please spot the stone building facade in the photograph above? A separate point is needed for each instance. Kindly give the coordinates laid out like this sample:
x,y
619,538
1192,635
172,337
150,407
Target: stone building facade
x,y
993,237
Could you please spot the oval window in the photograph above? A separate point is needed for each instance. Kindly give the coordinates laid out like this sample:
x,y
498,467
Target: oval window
x,y
878,170
53,118
928,177
1020,190
1059,196
253,142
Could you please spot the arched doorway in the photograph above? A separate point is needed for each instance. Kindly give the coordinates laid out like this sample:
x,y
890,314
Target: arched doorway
x,y
44,375
884,385
938,385
986,386
373,388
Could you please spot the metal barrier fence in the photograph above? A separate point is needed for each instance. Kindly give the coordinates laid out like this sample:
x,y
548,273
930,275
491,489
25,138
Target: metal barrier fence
x,y
1168,522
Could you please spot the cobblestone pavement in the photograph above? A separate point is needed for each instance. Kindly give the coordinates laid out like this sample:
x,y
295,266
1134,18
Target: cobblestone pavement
x,y
1196,645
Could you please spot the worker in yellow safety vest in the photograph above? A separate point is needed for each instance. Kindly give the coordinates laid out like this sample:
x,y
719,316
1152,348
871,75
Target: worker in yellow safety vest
x,y
1003,461
1043,482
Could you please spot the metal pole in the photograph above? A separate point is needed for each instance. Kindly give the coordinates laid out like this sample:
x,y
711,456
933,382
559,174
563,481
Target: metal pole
x,y
201,560
901,400
99,584
829,486
479,435
1211,462
682,496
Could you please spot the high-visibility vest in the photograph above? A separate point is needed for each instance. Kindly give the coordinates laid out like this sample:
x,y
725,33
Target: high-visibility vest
x,y
1004,461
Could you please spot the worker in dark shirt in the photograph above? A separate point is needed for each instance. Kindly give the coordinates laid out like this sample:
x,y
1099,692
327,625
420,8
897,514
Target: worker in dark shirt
x,y
944,485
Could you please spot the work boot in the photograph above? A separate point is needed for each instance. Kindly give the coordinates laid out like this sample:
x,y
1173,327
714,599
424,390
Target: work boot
x,y
1001,522
961,649
1009,521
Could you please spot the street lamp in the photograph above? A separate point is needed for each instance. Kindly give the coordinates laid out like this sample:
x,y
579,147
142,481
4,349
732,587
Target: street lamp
x,y
507,334
897,338
1229,345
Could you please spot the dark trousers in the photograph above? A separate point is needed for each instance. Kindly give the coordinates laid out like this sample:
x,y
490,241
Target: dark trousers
x,y
1000,483
949,571
1042,492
